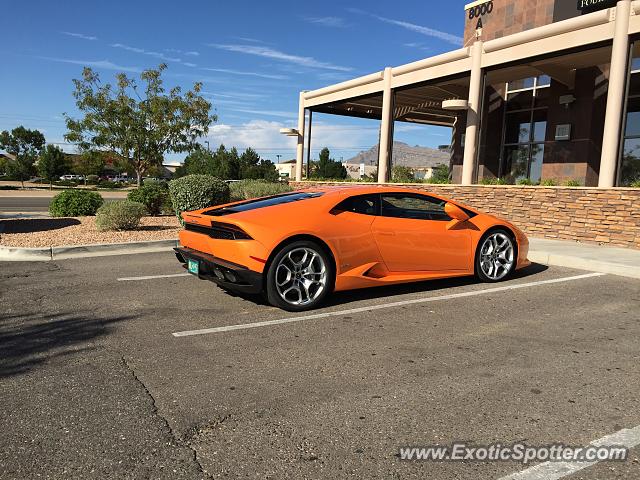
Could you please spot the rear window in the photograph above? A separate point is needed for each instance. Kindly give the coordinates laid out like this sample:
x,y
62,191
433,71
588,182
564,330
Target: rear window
x,y
262,203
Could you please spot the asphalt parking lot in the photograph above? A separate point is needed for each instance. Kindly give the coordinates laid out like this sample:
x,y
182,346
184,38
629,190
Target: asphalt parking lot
x,y
104,374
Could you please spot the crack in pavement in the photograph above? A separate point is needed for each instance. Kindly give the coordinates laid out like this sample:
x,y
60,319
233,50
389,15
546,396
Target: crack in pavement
x,y
156,411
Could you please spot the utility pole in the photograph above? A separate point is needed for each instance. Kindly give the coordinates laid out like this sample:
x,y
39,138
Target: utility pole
x,y
278,157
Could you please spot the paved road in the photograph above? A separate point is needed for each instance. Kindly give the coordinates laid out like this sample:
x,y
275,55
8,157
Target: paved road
x,y
28,204
94,385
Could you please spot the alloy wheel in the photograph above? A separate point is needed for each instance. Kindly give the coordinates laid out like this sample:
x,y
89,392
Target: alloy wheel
x,y
496,256
300,276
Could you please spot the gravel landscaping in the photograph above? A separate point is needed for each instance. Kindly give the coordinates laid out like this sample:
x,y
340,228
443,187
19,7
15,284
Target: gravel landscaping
x,y
51,232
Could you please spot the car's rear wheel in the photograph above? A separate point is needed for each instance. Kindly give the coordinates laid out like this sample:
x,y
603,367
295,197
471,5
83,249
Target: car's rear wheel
x,y
300,276
495,256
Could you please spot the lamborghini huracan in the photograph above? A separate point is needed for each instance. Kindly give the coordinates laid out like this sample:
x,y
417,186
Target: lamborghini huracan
x,y
298,247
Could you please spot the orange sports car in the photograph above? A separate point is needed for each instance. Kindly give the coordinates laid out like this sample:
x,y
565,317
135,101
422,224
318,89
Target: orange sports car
x,y
298,247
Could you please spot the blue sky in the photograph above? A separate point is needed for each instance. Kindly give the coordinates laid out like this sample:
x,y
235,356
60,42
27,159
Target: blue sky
x,y
253,57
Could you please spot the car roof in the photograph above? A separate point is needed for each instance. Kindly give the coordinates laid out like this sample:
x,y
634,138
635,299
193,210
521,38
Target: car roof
x,y
349,190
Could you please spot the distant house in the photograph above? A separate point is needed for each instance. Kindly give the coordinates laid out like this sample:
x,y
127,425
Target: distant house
x,y
286,169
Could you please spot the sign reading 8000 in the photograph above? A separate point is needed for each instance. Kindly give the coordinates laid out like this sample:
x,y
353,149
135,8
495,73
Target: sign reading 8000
x,y
478,11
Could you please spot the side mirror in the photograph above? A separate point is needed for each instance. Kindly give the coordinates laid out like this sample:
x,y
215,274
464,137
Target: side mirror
x,y
456,213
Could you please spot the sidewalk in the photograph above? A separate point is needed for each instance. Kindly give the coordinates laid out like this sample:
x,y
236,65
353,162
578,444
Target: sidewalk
x,y
563,253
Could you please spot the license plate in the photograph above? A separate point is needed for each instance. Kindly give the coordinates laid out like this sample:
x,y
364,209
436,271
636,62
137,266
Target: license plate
x,y
193,266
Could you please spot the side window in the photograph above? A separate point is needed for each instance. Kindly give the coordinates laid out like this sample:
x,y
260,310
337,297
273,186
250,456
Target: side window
x,y
363,204
417,207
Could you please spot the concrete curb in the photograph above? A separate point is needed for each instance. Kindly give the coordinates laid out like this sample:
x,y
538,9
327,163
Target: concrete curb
x,y
571,261
81,251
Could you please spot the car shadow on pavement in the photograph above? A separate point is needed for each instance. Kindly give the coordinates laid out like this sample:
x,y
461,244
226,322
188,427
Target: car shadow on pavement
x,y
340,298
36,224
27,340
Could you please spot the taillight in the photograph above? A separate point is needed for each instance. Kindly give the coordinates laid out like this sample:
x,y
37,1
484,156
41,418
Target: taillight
x,y
219,230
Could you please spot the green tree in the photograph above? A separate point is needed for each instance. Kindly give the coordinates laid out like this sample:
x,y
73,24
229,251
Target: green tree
x,y
327,167
51,164
140,124
402,174
25,145
226,163
90,162
253,167
440,174
198,162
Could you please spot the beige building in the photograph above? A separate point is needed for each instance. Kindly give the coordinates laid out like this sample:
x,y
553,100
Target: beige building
x,y
286,169
546,90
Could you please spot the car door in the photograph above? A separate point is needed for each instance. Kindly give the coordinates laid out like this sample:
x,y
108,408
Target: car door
x,y
411,234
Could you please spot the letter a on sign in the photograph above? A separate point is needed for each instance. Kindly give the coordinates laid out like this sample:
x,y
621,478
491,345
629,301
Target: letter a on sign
x,y
479,24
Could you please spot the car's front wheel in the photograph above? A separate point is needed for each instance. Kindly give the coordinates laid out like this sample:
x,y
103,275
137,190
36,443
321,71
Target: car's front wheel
x,y
495,256
300,276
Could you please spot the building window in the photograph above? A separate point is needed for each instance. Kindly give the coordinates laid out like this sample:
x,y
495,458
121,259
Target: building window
x,y
525,128
629,171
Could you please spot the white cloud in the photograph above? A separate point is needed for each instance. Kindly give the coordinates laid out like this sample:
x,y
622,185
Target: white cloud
x,y
430,32
267,52
335,22
192,53
159,55
189,64
102,64
264,136
80,35
251,74
268,113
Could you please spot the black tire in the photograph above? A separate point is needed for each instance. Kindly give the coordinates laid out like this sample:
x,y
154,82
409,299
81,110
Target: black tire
x,y
274,293
501,275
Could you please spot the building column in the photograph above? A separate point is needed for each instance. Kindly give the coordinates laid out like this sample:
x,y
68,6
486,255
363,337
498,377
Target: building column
x,y
386,124
473,114
300,146
615,96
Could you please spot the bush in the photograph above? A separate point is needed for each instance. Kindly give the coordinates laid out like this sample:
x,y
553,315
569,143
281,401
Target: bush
x,y
197,191
573,183
549,182
525,181
75,203
246,189
110,184
635,184
154,181
120,215
493,181
151,195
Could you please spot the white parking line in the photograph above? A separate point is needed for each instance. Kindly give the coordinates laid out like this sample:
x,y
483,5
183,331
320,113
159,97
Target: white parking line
x,y
627,437
151,277
369,308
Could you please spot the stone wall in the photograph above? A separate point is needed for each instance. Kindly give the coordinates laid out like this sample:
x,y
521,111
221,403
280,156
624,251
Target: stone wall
x,y
508,17
590,215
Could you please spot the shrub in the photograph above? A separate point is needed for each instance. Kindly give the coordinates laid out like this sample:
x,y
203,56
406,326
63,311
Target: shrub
x,y
151,195
154,181
549,182
120,215
75,203
635,184
402,174
197,191
493,181
246,189
110,184
525,181
573,183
